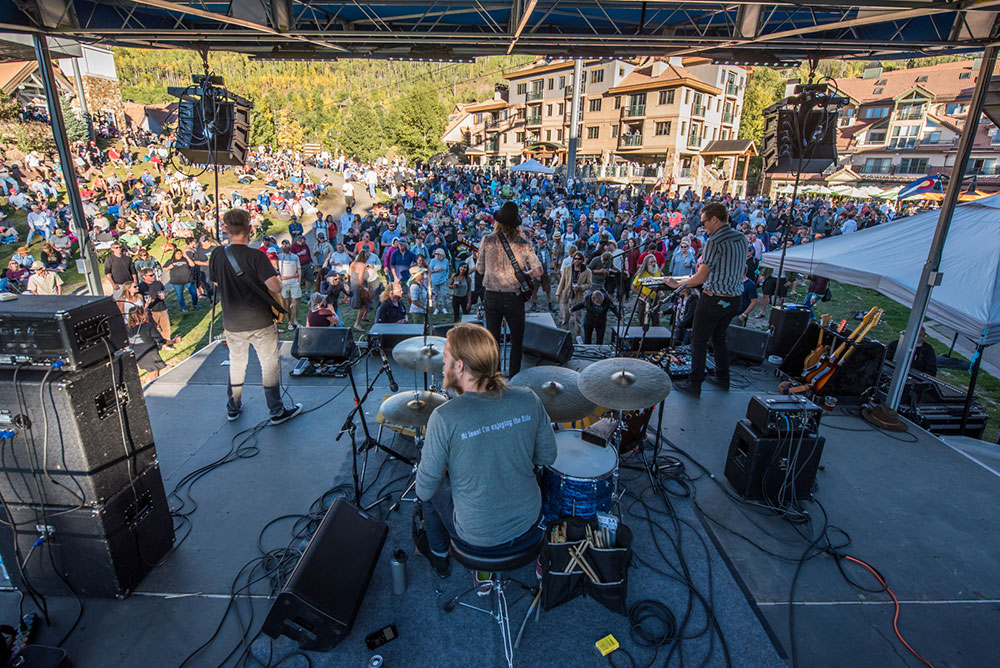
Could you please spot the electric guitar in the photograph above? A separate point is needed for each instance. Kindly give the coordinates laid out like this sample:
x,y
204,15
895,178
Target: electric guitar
x,y
811,371
817,354
821,377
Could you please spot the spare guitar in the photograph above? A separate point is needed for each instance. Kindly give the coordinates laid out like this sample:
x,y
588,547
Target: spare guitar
x,y
817,354
810,371
824,375
819,374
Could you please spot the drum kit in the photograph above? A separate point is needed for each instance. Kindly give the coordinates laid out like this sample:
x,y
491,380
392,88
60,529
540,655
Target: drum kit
x,y
583,479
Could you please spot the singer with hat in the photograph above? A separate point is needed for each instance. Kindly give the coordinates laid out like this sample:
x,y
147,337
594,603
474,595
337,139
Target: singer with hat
x,y
502,299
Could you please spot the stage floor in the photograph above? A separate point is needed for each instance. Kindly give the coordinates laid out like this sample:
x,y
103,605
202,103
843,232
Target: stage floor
x,y
919,510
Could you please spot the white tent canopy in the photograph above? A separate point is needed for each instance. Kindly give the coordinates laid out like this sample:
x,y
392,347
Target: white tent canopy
x,y
889,258
532,166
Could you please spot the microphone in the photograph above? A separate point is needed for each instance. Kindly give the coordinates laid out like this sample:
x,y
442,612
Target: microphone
x,y
393,387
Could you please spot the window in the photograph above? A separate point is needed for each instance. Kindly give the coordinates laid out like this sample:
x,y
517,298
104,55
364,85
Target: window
x,y
621,72
878,91
922,78
876,136
965,75
479,118
559,134
663,128
618,102
875,112
596,76
877,166
614,132
548,110
956,108
522,88
562,108
548,135
479,139
552,83
595,104
904,136
683,128
519,138
881,82
505,137
913,166
686,95
933,137
666,97
504,115
983,166
562,82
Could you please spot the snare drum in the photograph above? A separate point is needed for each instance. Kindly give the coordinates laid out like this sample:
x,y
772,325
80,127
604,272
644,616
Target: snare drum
x,y
581,481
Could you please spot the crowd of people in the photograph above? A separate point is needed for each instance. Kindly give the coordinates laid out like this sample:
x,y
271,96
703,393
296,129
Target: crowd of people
x,y
411,254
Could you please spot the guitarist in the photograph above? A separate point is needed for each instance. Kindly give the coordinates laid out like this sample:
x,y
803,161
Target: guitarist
x,y
247,315
504,284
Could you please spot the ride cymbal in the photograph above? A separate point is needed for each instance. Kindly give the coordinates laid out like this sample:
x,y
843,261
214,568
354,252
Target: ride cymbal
x,y
624,383
559,390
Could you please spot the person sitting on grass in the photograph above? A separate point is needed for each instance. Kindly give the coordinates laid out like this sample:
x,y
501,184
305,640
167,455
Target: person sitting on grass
x,y
391,309
320,314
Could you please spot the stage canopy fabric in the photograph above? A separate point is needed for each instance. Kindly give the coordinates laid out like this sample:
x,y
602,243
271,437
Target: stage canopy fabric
x,y
783,31
889,258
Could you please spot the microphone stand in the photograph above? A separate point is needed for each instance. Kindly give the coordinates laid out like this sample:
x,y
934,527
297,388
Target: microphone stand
x,y
624,325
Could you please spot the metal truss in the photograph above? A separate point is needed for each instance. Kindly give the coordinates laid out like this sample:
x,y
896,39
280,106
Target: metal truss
x,y
778,31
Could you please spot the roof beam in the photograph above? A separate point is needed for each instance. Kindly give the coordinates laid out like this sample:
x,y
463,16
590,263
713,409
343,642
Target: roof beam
x,y
525,15
221,18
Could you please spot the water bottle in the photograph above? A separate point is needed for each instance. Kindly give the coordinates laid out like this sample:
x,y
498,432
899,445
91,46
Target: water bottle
x,y
398,565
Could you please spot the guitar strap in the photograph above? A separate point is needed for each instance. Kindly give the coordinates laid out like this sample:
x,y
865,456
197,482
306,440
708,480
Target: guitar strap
x,y
518,273
260,292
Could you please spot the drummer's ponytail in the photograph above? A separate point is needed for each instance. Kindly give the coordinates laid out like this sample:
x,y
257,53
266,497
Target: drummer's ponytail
x,y
478,351
496,383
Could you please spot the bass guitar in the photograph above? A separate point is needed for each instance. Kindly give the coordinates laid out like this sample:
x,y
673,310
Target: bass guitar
x,y
824,375
811,371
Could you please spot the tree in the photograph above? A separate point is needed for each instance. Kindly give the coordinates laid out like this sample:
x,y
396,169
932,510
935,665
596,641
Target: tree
x,y
416,121
262,127
361,135
76,127
764,87
288,132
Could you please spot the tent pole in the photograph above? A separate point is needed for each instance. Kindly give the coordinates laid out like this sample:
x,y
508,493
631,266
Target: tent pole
x,y
79,223
930,275
974,371
951,349
574,121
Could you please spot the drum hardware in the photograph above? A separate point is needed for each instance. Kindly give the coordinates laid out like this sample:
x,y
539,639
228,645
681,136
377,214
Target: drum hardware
x,y
351,429
421,353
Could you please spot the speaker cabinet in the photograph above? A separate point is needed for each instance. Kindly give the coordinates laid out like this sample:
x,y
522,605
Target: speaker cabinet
x,y
550,343
319,603
786,324
774,470
194,142
323,343
104,551
69,443
386,335
747,344
657,338
788,138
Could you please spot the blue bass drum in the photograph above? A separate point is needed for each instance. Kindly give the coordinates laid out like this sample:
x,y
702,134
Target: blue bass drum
x,y
581,481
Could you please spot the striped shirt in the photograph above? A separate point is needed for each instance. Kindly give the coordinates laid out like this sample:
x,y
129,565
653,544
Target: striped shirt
x,y
725,253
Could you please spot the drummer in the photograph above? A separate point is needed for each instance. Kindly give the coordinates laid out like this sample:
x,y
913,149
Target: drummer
x,y
489,438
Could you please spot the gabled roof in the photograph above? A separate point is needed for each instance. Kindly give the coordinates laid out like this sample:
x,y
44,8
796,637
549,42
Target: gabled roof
x,y
642,78
13,74
943,82
486,105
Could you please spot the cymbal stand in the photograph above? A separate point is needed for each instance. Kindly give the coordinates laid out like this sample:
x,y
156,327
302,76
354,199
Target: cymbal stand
x,y
418,439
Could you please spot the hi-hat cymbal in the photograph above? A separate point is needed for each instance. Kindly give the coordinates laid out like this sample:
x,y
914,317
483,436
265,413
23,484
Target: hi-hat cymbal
x,y
411,408
624,383
421,353
559,390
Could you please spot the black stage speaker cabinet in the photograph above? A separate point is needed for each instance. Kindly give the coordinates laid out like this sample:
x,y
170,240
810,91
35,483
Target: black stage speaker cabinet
x,y
233,121
657,338
385,335
757,467
747,344
319,603
103,551
550,343
323,343
783,145
73,448
859,372
39,330
786,325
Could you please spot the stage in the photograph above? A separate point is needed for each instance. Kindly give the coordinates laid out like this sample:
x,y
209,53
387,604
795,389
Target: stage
x,y
919,510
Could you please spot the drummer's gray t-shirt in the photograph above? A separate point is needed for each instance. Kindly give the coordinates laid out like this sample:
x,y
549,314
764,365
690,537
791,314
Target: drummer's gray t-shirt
x,y
490,446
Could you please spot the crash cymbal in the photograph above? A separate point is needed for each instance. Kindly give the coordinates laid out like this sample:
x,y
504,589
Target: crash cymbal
x,y
624,383
421,353
411,408
559,390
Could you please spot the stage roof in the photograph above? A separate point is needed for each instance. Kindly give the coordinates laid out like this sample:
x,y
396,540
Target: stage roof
x,y
744,32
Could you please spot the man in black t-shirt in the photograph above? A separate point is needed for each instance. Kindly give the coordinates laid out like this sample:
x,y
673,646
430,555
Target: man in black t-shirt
x,y
153,293
246,316
118,269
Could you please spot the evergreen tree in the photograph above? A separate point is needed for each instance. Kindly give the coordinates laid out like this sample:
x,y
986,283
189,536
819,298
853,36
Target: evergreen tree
x,y
76,127
416,121
361,135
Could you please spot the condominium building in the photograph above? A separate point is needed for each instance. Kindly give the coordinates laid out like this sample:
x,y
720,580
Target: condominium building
x,y
904,124
643,120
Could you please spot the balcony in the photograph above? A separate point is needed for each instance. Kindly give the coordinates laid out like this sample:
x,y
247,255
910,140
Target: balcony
x,y
633,140
698,110
732,90
909,115
685,173
492,146
902,142
534,120
633,110
534,95
727,117
694,141
493,125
